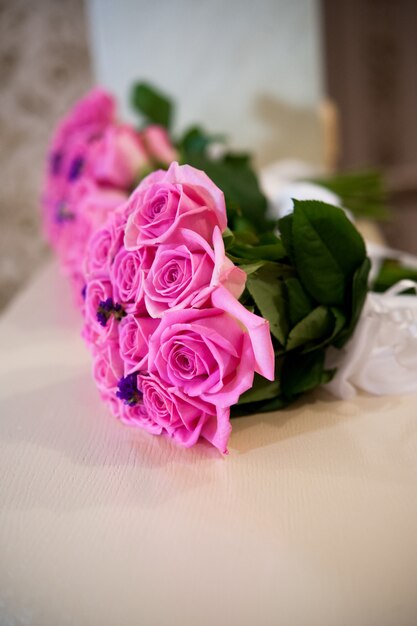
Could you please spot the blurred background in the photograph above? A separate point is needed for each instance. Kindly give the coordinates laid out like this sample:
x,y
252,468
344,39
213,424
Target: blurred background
x,y
330,83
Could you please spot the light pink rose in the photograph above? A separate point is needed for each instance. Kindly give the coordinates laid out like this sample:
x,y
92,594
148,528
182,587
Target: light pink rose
x,y
158,145
182,197
207,354
135,333
183,418
118,158
184,273
107,368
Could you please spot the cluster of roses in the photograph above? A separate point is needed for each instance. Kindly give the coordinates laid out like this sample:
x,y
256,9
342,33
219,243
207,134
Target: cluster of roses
x,y
94,162
173,348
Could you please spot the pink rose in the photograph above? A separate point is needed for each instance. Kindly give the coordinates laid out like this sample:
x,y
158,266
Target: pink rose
x,y
182,197
101,312
128,275
91,115
91,207
183,274
135,333
102,247
207,354
184,419
118,158
137,416
158,145
107,368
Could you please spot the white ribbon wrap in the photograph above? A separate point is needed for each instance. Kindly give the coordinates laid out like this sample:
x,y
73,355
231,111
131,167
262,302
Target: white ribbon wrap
x,y
381,358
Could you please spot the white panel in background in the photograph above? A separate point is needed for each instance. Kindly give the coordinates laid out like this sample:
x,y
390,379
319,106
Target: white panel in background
x,y
250,69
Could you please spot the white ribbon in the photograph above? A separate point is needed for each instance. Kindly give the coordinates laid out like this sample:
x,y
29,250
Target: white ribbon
x,y
381,358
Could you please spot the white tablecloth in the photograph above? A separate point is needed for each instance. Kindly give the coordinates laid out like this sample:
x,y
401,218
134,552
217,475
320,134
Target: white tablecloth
x,y
311,519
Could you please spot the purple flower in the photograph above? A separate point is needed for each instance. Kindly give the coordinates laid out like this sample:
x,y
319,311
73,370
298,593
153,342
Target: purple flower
x,y
106,309
128,389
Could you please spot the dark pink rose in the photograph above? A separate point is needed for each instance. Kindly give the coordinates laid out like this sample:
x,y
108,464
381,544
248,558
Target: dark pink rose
x,y
134,336
158,145
184,273
182,197
209,354
183,418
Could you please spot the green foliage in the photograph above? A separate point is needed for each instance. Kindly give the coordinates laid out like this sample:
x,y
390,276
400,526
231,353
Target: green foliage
x,y
362,193
327,250
311,294
391,272
154,106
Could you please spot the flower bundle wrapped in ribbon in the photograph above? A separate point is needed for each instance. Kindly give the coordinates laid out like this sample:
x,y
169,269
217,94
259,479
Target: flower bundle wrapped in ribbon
x,y
196,308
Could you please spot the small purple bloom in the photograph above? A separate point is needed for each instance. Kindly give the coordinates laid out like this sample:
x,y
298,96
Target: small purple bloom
x,y
84,291
75,169
107,308
128,389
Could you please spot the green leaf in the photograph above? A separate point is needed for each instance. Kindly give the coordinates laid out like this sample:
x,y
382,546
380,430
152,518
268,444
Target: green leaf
x,y
359,292
195,140
318,323
268,252
303,372
228,238
251,268
361,192
262,389
391,272
269,295
285,229
337,324
299,302
327,248
155,107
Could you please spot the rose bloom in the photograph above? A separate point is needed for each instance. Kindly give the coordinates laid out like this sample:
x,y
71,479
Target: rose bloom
x,y
184,419
90,206
128,275
182,197
107,367
210,353
158,144
97,332
134,336
137,416
119,157
183,274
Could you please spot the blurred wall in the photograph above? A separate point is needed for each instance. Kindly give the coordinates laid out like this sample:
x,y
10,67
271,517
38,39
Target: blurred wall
x,y
44,68
250,69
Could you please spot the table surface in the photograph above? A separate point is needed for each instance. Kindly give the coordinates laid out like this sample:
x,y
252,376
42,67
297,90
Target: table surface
x,y
311,519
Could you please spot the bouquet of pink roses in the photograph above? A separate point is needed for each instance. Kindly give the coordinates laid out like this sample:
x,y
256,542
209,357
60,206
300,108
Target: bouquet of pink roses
x,y
197,307
173,348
